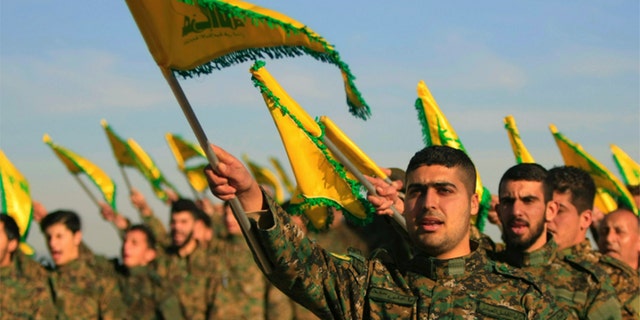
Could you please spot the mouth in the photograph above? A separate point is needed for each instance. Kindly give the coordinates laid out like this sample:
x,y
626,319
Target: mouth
x,y
430,224
518,226
56,254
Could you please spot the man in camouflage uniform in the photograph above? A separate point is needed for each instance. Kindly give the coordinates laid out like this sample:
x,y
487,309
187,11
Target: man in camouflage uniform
x,y
23,296
187,265
619,241
525,207
448,277
145,293
81,288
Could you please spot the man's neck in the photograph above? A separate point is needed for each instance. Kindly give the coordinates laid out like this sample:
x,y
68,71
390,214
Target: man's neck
x,y
188,248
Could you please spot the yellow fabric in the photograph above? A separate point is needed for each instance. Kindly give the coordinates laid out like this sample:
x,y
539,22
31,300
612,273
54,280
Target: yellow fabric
x,y
119,147
16,198
283,175
77,164
519,150
629,169
574,155
148,168
315,175
196,177
357,157
183,36
183,150
604,201
266,177
441,132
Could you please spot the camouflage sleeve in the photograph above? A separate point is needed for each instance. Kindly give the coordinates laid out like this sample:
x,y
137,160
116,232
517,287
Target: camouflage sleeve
x,y
604,303
156,226
328,285
43,307
110,300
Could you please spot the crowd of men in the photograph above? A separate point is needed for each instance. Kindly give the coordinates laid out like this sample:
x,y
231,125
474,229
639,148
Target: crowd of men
x,y
440,267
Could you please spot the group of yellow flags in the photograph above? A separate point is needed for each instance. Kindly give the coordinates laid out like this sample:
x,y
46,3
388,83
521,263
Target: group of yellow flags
x,y
193,39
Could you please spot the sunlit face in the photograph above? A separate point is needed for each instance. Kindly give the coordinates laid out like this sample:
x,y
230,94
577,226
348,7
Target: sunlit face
x,y
524,214
618,237
569,227
63,244
6,247
230,222
182,225
437,209
135,250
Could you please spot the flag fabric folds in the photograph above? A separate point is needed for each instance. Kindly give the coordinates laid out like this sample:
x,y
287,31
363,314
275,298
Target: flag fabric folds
x,y
519,150
150,171
194,39
284,177
436,130
79,165
357,157
574,155
16,199
629,169
183,151
322,180
264,176
121,150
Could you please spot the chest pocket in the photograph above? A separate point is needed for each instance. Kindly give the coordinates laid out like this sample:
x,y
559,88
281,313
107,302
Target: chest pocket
x,y
386,304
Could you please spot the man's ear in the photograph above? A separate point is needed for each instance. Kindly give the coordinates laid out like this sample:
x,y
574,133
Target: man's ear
x,y
586,218
77,238
12,246
551,211
475,204
149,255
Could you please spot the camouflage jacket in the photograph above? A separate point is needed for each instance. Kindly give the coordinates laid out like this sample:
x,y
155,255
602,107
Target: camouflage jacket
x,y
194,279
351,287
30,268
23,296
576,286
147,295
244,292
623,278
82,290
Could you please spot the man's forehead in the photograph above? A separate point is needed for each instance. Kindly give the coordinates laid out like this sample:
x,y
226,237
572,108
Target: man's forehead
x,y
521,187
435,173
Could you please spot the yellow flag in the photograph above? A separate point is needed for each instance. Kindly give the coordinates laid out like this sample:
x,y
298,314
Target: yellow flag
x,y
519,150
322,180
629,169
574,155
357,157
282,174
437,131
266,177
194,39
149,170
120,149
79,165
183,151
15,197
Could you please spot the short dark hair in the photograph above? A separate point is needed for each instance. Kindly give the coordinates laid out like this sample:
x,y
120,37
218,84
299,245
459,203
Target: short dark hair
x,y
448,157
67,217
151,239
10,226
183,204
634,189
202,216
575,180
527,172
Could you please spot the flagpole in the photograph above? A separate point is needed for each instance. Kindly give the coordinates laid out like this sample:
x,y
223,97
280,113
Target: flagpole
x,y
397,217
94,199
126,177
236,206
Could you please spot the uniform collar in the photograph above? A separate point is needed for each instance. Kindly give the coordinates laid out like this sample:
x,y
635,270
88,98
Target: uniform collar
x,y
540,257
437,269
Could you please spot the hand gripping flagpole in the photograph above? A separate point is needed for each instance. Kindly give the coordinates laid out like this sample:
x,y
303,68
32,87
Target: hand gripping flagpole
x,y
238,210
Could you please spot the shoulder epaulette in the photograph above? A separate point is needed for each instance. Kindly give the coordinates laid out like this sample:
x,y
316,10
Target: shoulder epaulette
x,y
585,266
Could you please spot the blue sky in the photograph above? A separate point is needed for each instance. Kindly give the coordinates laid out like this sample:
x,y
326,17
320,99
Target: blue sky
x,y
575,64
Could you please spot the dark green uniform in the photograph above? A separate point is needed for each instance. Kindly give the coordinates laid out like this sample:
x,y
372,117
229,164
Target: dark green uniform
x,y
22,295
147,295
350,287
82,290
575,285
623,278
194,279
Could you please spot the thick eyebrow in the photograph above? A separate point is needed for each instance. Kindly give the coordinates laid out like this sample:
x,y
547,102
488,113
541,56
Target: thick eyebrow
x,y
437,184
